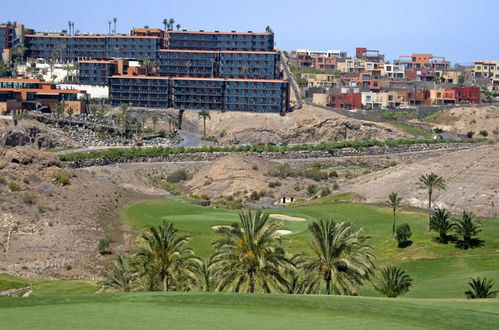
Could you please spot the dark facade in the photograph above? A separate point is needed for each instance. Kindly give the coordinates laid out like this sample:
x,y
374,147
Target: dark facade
x,y
95,72
202,40
201,93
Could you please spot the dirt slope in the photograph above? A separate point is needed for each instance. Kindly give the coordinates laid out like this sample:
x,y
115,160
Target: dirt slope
x,y
307,125
464,119
472,178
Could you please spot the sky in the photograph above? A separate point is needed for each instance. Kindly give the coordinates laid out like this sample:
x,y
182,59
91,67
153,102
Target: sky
x,y
461,30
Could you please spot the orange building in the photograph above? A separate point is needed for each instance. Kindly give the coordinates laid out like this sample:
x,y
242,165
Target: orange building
x,y
18,95
422,67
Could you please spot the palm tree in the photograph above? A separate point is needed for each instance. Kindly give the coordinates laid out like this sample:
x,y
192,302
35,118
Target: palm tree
x,y
441,222
244,70
430,182
204,114
178,27
206,278
481,288
119,277
154,119
109,27
165,23
394,201
250,255
172,122
165,254
188,65
467,227
393,282
341,256
171,21
114,21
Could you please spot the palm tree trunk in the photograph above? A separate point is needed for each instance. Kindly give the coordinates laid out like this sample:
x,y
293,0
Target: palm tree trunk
x,y
165,284
328,287
393,227
429,209
251,282
204,127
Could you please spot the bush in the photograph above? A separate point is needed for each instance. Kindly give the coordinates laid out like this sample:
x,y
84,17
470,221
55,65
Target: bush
x,y
29,199
333,174
336,186
438,130
62,178
470,134
104,244
349,175
315,174
402,235
13,186
254,167
2,180
177,176
392,163
484,133
273,184
42,208
325,191
282,171
312,189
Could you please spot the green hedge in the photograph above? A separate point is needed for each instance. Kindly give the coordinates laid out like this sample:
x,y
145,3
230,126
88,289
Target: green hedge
x,y
137,152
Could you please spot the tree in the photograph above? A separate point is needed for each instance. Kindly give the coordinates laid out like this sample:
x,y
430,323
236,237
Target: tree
x,y
480,288
114,21
206,278
402,235
470,134
188,65
171,21
340,257
70,112
172,123
244,70
468,226
393,282
120,277
431,182
167,256
178,27
3,68
154,119
204,114
165,23
250,255
109,27
394,201
441,223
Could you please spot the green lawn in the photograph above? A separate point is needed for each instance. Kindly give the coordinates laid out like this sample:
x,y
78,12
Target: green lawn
x,y
242,311
438,270
43,287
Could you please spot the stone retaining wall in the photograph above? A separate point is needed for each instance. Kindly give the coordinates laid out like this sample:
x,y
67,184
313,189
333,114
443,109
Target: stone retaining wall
x,y
304,154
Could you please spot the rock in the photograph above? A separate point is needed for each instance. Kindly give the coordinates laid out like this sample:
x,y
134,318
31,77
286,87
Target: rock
x,y
46,188
16,138
27,155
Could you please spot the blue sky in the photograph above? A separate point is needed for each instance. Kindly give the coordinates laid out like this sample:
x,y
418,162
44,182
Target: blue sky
x,y
461,30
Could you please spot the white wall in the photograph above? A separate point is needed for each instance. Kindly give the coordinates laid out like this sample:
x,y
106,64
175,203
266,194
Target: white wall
x,y
101,92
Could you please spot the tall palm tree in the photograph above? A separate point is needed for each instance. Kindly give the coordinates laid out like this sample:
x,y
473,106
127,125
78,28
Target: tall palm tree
x,y
171,21
178,27
114,21
154,119
165,23
206,278
165,254
394,201
109,27
481,288
188,65
250,255
442,223
341,256
119,277
431,182
393,282
204,114
467,227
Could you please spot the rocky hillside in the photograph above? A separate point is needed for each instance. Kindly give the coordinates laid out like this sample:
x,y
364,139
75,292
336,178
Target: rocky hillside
x,y
307,125
472,178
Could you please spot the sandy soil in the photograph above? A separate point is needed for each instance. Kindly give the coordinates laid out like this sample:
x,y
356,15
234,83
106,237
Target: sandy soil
x,y
286,217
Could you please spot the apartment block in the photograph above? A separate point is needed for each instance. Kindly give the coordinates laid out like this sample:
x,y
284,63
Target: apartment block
x,y
366,80
488,70
369,55
422,67
345,100
11,35
321,60
96,72
351,66
202,40
25,94
322,80
394,71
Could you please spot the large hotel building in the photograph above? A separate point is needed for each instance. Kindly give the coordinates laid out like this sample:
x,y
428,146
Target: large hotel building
x,y
228,71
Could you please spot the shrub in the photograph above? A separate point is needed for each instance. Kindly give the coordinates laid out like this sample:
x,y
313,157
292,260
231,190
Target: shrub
x,y
336,186
349,175
402,235
392,163
484,133
325,191
2,180
312,189
62,178
282,171
315,174
254,196
29,199
42,208
104,244
481,288
470,134
333,174
254,167
393,282
177,176
273,184
438,130
13,186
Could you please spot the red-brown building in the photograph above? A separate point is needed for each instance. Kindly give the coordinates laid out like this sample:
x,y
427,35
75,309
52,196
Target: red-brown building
x,y
467,94
345,100
365,79
422,67
369,55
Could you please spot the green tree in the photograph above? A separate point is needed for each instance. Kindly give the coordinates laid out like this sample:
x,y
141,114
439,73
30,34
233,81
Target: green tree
x,y
394,201
402,235
250,255
178,27
468,226
207,281
154,119
171,21
188,65
204,114
441,223
341,256
393,282
165,23
166,255
3,68
431,182
114,21
480,288
119,277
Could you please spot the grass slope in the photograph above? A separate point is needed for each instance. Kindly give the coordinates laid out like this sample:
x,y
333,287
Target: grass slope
x,y
43,287
438,270
240,311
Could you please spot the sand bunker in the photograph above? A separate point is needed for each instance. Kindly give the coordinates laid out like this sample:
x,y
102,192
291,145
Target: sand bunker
x,y
283,232
286,217
218,227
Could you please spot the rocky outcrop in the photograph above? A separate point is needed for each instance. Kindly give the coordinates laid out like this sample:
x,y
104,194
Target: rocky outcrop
x,y
27,155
